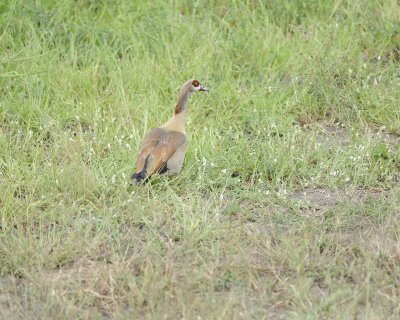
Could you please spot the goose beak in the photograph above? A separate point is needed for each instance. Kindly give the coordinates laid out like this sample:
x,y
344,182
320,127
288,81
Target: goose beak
x,y
203,88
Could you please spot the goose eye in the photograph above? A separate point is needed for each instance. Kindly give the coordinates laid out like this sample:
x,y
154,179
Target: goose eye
x,y
195,83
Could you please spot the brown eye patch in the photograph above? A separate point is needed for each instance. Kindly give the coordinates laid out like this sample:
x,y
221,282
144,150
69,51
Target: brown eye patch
x,y
195,83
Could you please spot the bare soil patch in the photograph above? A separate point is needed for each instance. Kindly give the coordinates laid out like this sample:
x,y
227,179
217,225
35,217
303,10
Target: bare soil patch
x,y
325,197
335,135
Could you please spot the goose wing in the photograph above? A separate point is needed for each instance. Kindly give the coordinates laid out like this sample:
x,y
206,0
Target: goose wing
x,y
149,144
158,147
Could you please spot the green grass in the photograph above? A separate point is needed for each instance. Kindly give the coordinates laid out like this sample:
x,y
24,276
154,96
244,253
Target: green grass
x,y
288,204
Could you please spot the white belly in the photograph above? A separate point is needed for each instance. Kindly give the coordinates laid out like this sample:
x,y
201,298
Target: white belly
x,y
174,164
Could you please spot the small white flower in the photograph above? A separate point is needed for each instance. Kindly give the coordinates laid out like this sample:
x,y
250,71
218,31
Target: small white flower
x,y
113,179
223,171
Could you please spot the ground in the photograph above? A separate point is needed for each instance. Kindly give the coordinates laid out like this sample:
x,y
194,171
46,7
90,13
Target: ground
x,y
288,204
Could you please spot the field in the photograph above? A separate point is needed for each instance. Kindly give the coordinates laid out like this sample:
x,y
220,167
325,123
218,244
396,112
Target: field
x,y
288,205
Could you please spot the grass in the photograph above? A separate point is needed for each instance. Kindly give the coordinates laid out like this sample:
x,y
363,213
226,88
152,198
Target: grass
x,y
288,205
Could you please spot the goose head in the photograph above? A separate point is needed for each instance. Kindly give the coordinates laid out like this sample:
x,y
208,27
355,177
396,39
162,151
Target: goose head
x,y
193,86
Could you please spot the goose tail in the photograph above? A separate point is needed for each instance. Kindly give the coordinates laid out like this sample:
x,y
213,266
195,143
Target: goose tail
x,y
140,177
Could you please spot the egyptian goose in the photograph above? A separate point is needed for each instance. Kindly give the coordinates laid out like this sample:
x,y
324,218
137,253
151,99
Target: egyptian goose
x,y
164,148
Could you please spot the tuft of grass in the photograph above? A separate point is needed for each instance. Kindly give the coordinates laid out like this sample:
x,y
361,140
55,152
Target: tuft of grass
x,y
288,204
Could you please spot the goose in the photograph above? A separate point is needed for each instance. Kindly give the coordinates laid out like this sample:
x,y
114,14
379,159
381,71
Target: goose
x,y
163,149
